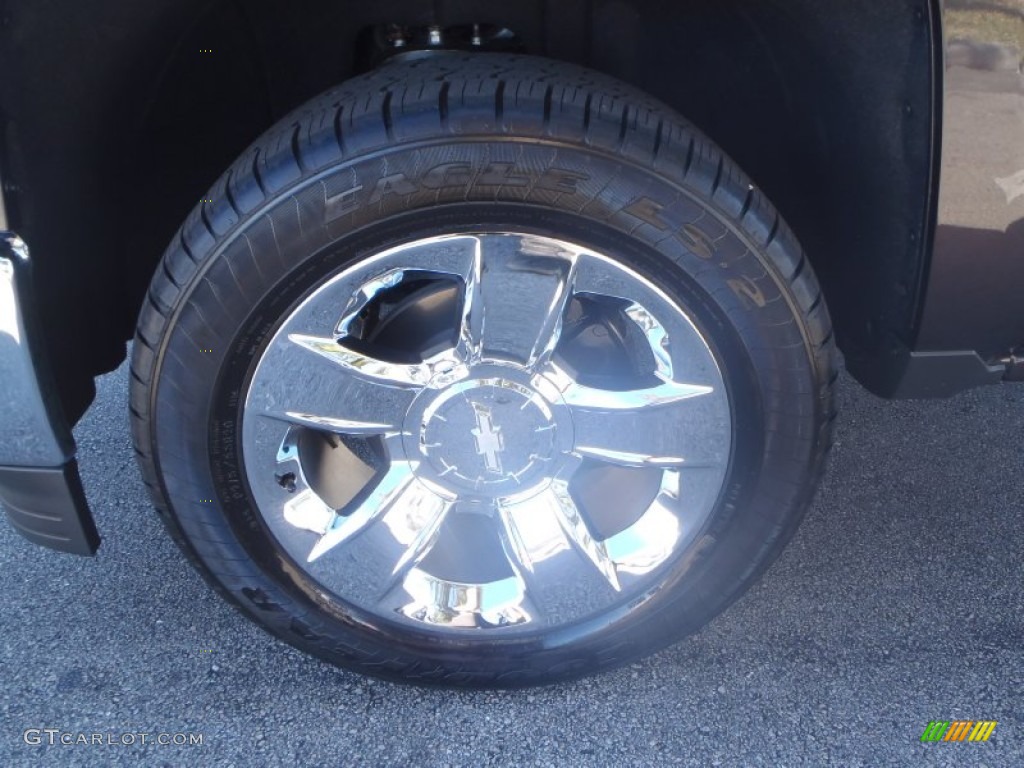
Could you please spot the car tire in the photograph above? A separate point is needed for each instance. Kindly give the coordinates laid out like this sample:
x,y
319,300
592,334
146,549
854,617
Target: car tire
x,y
675,410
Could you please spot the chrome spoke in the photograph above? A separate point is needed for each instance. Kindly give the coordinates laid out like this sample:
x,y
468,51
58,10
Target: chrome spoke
x,y
516,296
294,385
413,524
559,580
459,584
364,365
550,320
393,488
531,586
670,523
659,426
665,393
469,346
528,540
375,561
447,603
650,541
391,546
580,396
557,501
332,424
308,511
662,438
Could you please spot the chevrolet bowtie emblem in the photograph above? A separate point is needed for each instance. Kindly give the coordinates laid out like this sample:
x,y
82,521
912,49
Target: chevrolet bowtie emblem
x,y
489,442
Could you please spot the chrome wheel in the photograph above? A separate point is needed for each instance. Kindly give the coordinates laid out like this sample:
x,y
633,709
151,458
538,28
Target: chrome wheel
x,y
486,430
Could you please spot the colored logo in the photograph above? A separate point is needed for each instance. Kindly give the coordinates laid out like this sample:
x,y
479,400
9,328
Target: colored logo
x,y
958,730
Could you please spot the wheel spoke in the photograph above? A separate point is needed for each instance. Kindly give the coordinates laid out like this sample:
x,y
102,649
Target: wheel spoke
x,y
649,541
516,296
671,438
295,386
364,365
456,604
395,488
332,424
377,547
529,536
469,344
460,580
557,502
581,397
530,544
665,425
308,512
413,524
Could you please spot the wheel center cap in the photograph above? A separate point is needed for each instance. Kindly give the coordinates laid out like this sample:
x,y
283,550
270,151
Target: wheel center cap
x,y
489,436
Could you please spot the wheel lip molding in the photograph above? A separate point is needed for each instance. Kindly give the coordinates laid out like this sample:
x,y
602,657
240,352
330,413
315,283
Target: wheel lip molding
x,y
39,481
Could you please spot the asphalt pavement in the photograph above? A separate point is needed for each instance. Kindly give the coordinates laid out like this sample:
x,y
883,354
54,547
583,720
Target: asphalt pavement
x,y
899,602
